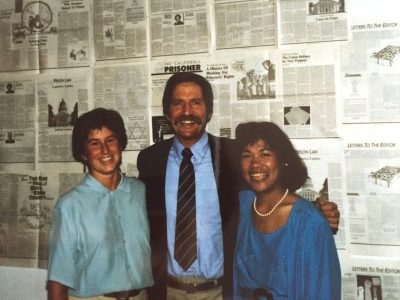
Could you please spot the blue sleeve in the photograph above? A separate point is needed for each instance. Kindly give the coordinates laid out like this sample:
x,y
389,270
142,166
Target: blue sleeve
x,y
245,198
321,264
62,250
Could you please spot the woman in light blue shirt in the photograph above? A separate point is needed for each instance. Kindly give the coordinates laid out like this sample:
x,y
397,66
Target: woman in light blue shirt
x,y
99,238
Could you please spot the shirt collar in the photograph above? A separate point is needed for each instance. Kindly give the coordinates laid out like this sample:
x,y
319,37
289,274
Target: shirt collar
x,y
199,149
96,185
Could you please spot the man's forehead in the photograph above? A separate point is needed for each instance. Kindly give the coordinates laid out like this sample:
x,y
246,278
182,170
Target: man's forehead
x,y
186,92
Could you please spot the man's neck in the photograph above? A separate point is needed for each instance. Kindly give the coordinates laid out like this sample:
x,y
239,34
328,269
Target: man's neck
x,y
190,143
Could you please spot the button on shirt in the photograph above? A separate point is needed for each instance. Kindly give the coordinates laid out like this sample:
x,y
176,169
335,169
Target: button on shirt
x,y
99,239
209,262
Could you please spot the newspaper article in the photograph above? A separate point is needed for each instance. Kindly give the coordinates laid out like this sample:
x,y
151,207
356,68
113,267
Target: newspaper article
x,y
180,31
326,176
44,34
370,72
370,278
245,23
373,185
309,103
158,6
243,86
17,115
304,21
26,201
125,88
62,97
119,29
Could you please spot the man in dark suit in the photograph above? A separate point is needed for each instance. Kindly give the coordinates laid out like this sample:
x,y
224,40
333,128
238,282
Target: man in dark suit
x,y
188,105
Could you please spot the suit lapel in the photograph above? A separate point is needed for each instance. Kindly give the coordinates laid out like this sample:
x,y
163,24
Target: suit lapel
x,y
215,147
163,157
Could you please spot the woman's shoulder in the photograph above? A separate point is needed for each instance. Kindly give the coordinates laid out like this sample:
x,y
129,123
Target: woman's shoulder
x,y
246,197
69,200
136,186
134,182
306,213
78,195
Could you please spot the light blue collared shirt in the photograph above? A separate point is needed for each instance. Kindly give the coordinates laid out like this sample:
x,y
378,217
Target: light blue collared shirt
x,y
99,239
210,258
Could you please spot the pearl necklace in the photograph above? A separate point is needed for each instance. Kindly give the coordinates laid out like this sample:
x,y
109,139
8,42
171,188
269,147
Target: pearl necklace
x,y
272,210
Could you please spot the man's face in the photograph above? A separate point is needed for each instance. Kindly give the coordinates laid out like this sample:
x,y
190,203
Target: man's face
x,y
188,113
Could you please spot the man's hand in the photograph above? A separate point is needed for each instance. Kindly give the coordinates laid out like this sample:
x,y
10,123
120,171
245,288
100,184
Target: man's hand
x,y
330,211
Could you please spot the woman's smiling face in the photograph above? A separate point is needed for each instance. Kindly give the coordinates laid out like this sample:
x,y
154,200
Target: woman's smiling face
x,y
102,152
260,167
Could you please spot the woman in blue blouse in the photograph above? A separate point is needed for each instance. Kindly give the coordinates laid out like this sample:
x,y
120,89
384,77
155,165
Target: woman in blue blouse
x,y
99,238
285,248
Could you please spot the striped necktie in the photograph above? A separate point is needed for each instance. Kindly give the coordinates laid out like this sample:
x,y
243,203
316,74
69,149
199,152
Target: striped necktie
x,y
185,231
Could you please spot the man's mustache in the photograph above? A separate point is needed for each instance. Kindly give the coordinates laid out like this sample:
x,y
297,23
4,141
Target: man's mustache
x,y
192,118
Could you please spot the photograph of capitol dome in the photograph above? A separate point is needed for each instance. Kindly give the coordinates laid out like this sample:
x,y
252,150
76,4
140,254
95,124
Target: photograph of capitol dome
x,y
64,116
310,192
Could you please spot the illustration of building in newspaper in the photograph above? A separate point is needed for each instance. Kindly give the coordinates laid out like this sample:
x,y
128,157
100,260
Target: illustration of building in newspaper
x,y
326,7
386,176
387,55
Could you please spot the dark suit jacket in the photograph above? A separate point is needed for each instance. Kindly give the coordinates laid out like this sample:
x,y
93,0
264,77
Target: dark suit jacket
x,y
152,164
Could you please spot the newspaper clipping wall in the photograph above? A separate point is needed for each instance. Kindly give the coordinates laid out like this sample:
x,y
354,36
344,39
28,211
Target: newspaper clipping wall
x,y
179,31
373,186
294,89
245,23
125,88
119,29
158,6
370,278
26,201
62,97
44,34
17,117
370,72
309,103
312,21
326,176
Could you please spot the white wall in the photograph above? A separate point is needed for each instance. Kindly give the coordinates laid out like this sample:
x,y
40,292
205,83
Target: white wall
x,y
22,283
